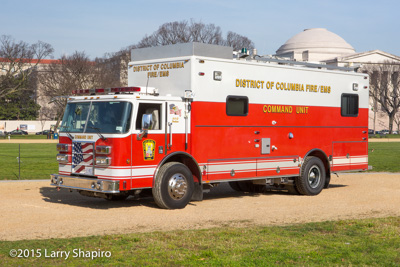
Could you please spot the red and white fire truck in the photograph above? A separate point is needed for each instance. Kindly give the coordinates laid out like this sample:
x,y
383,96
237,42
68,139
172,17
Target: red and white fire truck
x,y
196,115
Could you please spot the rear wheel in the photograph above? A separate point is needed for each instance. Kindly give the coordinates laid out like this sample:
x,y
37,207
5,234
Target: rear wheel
x,y
173,186
313,176
235,186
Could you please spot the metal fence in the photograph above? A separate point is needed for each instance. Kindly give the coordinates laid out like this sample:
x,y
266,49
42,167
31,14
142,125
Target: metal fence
x,y
27,161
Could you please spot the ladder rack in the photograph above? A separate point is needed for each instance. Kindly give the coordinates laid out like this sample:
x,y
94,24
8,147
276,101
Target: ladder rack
x,y
303,63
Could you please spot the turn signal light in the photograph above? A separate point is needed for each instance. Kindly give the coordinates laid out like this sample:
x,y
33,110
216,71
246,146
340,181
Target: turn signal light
x,y
62,147
103,150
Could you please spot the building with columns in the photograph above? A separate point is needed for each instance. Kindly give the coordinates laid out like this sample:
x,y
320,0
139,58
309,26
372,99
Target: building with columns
x,y
322,46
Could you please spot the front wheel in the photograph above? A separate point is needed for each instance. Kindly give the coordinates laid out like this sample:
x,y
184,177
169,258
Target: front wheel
x,y
173,186
312,178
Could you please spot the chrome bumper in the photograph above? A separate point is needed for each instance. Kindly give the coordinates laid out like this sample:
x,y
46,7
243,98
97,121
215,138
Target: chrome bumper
x,y
87,184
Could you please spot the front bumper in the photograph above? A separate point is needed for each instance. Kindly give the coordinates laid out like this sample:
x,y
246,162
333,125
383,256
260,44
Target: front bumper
x,y
87,184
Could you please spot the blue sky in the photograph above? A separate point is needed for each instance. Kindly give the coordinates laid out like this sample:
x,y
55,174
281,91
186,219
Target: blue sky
x,y
100,26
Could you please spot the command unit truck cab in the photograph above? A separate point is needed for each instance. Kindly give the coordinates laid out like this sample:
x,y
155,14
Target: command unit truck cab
x,y
194,116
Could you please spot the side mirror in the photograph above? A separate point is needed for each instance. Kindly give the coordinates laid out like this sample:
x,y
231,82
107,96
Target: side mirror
x,y
146,125
146,121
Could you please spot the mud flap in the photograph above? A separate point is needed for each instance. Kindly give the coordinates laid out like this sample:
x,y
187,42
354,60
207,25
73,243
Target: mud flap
x,y
198,192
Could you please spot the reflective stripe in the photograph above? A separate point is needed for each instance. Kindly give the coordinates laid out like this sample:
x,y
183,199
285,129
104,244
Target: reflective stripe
x,y
251,166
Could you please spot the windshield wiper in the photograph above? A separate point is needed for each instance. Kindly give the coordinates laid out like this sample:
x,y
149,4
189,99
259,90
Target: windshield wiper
x,y
98,132
68,133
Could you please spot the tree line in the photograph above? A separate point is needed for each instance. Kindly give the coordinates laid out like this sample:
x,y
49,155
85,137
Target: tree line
x,y
23,78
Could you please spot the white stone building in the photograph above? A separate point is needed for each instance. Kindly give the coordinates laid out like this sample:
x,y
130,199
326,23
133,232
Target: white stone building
x,y
321,45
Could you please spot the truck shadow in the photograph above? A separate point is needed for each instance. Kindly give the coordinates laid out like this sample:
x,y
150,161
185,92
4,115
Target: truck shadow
x,y
223,191
65,197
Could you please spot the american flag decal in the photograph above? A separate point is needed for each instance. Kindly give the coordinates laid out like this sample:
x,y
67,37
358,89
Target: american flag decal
x,y
82,158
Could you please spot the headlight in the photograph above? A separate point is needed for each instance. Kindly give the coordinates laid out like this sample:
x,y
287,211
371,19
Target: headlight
x,y
103,150
62,158
62,147
103,161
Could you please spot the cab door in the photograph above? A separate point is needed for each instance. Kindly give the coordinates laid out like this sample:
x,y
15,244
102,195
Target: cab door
x,y
148,146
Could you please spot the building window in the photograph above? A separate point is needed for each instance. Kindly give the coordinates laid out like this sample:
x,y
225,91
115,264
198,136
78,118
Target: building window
x,y
237,106
349,105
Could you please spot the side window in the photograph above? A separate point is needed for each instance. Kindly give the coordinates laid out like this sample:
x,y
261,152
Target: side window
x,y
237,106
149,108
349,105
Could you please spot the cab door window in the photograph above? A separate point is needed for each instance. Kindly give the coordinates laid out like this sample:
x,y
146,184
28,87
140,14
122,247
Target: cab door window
x,y
154,110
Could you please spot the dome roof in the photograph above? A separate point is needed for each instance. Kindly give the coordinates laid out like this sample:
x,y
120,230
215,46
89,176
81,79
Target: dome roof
x,y
317,40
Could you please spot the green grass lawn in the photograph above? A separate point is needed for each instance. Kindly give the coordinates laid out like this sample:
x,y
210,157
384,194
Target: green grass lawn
x,y
384,157
373,242
38,161
390,136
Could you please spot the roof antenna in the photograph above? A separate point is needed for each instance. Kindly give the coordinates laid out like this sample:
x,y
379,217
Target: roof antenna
x,y
147,84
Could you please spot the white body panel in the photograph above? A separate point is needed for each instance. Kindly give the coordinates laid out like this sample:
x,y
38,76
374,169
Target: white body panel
x,y
269,81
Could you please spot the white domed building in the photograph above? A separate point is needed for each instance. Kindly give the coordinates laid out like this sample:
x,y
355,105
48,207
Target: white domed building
x,y
322,46
315,45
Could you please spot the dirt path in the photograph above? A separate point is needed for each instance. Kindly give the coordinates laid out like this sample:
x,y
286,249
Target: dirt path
x,y
34,210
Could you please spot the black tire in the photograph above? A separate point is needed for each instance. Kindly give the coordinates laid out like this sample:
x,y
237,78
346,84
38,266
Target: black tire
x,y
173,186
292,189
246,186
312,178
235,186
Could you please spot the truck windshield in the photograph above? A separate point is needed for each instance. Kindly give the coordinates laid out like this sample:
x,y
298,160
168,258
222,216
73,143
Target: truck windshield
x,y
94,117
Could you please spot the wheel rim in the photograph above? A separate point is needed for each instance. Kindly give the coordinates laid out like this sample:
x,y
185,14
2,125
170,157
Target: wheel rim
x,y
314,176
177,186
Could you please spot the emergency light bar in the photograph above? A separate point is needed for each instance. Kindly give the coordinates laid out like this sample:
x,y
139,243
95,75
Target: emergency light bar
x,y
106,90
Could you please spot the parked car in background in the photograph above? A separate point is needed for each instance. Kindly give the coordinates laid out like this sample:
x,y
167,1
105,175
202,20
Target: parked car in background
x,y
385,131
17,132
2,133
370,131
45,132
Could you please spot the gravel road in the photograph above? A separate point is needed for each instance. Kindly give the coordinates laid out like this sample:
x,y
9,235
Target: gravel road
x,y
34,210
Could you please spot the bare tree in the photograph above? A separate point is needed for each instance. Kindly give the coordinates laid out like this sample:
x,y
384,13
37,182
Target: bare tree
x,y
385,88
238,41
18,61
112,69
396,120
114,65
46,114
185,32
58,79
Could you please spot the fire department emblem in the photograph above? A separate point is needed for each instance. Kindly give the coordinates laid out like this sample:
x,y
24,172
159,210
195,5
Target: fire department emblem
x,y
148,149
